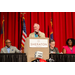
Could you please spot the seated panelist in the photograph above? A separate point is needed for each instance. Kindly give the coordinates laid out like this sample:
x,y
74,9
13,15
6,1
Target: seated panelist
x,y
52,48
37,32
9,49
69,48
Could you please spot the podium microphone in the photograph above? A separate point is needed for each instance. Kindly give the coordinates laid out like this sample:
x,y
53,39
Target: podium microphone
x,y
36,32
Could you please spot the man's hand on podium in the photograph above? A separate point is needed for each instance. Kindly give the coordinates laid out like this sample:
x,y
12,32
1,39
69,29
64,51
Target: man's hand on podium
x,y
21,51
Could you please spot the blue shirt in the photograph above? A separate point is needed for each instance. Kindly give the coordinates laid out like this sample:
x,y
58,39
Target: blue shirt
x,y
8,49
35,35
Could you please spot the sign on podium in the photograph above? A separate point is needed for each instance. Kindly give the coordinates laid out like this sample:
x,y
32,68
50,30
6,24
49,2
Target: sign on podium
x,y
36,44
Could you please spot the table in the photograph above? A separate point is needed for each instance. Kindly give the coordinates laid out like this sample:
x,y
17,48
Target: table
x,y
21,57
13,57
63,57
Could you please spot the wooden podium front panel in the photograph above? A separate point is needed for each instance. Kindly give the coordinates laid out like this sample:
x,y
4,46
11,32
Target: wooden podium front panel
x,y
30,51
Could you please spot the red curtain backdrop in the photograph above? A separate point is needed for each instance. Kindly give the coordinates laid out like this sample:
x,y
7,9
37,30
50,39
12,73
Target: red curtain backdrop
x,y
63,26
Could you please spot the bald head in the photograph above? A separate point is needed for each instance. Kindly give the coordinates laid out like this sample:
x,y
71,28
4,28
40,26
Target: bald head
x,y
7,42
36,27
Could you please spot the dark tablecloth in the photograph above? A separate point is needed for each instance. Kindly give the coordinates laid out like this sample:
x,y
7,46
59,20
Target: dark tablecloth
x,y
13,57
21,57
63,57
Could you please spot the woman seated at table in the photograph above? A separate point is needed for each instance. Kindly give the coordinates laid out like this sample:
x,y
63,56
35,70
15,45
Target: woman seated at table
x,y
70,48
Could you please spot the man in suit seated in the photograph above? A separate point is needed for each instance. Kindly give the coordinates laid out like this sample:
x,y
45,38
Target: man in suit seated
x,y
37,32
9,49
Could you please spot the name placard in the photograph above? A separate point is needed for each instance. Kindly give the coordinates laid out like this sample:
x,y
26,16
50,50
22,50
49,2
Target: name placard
x,y
38,43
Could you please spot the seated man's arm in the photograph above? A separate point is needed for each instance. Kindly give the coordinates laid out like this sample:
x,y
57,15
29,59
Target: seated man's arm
x,y
17,51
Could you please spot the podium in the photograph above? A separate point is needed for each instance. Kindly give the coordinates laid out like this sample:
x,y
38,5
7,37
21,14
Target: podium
x,y
36,44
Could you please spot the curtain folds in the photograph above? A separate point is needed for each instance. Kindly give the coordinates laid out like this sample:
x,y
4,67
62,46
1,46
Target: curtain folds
x,y
63,26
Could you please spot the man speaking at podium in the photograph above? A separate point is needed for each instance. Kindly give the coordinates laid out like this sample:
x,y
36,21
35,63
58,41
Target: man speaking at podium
x,y
8,48
37,32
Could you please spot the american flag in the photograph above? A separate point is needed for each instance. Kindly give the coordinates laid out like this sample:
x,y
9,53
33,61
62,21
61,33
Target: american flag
x,y
24,34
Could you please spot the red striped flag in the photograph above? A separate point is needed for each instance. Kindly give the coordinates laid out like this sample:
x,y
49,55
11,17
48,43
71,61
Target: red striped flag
x,y
24,34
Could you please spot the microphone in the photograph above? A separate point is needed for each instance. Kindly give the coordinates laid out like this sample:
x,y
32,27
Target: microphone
x,y
36,32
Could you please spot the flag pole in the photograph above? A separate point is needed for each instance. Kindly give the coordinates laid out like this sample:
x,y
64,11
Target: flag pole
x,y
21,44
51,33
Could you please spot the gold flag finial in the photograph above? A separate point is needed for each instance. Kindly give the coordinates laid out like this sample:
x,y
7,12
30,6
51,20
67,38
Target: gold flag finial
x,y
23,13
